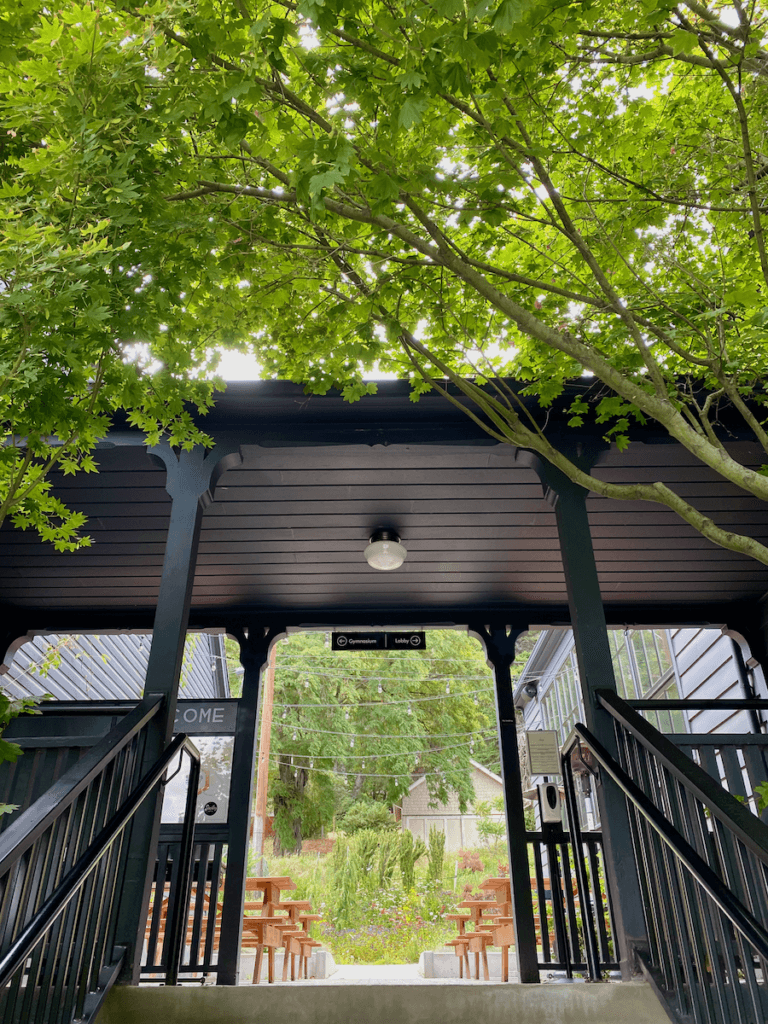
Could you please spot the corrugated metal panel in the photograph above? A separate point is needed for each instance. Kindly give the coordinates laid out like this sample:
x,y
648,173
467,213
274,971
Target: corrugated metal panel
x,y
110,667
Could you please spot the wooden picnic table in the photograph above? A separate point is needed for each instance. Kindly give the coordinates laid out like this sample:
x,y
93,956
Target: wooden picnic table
x,y
295,907
479,939
295,941
270,936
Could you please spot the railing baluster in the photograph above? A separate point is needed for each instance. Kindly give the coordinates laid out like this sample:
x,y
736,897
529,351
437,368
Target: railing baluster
x,y
543,916
595,876
200,882
213,908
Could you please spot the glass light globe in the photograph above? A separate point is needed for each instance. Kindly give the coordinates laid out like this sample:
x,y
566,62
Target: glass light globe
x,y
385,551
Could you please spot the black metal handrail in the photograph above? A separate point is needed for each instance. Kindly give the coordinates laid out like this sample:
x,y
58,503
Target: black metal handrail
x,y
62,864
715,888
73,882
749,829
577,842
86,707
702,864
30,824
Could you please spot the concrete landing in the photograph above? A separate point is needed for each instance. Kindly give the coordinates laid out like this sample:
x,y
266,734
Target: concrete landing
x,y
376,1002
370,974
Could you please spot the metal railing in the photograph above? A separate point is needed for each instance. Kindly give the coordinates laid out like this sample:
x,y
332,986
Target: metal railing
x,y
702,861
563,894
202,899
61,869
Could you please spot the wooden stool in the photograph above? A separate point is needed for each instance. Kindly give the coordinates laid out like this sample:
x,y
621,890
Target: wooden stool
x,y
265,932
461,949
307,945
501,929
478,943
292,945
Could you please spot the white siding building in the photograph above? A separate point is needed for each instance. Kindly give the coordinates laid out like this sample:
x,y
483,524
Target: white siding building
x,y
460,829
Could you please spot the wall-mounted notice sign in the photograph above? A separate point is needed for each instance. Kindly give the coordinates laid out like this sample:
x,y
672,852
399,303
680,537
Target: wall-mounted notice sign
x,y
206,717
543,752
378,641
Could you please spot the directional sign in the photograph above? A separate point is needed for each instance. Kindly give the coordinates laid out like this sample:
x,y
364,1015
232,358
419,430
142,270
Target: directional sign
x,y
206,717
403,641
357,641
353,641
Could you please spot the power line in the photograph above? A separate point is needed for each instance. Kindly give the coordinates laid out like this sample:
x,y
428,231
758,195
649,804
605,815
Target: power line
x,y
365,775
365,757
389,736
407,679
388,703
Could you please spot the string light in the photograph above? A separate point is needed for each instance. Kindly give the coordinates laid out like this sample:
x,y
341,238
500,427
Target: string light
x,y
448,688
380,688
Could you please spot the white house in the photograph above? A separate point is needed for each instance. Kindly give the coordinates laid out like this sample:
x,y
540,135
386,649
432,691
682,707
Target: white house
x,y
460,829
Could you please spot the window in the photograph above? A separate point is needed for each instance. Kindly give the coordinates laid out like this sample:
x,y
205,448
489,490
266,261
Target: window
x,y
642,662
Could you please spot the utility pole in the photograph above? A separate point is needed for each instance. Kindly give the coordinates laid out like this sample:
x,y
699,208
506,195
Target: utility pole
x,y
262,776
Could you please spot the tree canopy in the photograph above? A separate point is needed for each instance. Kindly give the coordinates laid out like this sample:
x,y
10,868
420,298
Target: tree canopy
x,y
447,189
350,727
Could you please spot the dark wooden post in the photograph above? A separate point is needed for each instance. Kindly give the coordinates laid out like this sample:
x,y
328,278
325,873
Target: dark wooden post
x,y
593,653
254,655
499,643
191,479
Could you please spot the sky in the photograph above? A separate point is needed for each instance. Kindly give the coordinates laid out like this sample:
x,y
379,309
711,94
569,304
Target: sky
x,y
241,366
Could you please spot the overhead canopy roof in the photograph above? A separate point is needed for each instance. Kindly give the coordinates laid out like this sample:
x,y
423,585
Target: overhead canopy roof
x,y
283,540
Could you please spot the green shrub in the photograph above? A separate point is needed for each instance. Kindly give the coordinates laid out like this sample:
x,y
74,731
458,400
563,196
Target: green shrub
x,y
388,848
345,878
490,832
367,814
436,854
410,851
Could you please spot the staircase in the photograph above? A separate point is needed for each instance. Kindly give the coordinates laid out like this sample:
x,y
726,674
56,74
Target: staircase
x,y
443,1002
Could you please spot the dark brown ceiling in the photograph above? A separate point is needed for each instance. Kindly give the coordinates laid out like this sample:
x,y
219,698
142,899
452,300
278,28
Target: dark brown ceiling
x,y
285,535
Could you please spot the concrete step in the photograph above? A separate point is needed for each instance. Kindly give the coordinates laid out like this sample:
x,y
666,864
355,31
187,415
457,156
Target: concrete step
x,y
420,1002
